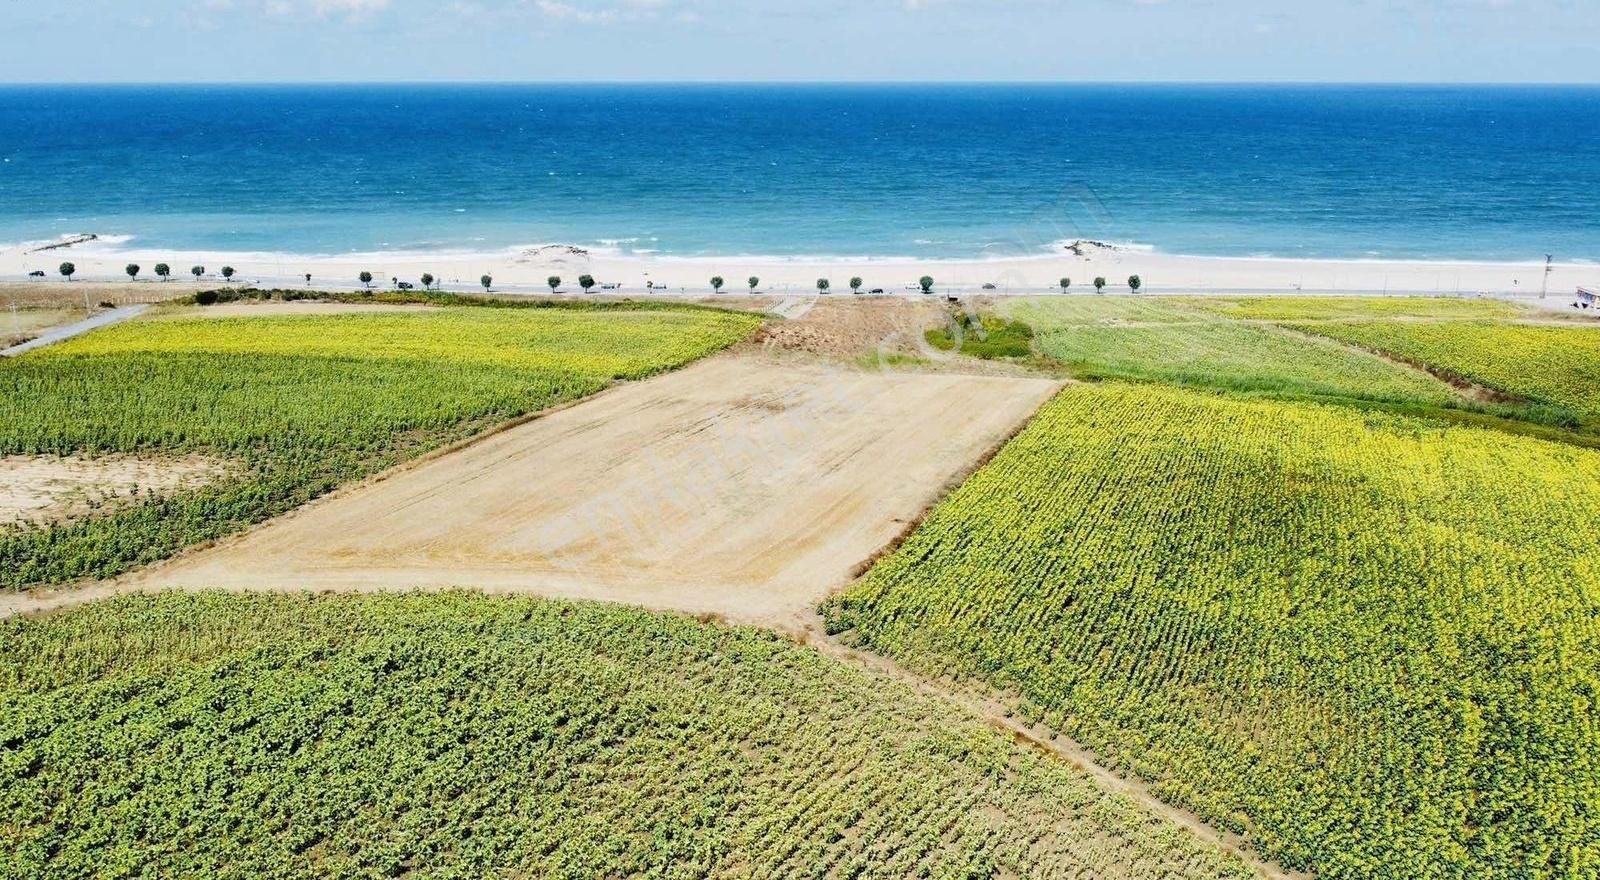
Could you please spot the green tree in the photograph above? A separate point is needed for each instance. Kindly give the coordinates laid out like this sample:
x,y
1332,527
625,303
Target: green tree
x,y
716,283
133,271
308,279
1065,284
163,271
366,279
1099,284
68,270
227,273
926,283
855,284
823,284
1134,283
427,281
754,282
554,281
586,282
487,281
197,271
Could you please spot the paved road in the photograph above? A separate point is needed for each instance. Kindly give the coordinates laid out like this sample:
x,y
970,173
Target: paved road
x,y
59,334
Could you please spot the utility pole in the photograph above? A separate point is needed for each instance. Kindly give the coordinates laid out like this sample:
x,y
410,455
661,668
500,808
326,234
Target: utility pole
x,y
1545,287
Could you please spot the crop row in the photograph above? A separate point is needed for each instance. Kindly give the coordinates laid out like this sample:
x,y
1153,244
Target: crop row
x,y
1367,641
457,736
303,404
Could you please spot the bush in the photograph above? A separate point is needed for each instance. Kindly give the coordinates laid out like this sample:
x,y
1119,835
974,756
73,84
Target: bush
x,y
205,298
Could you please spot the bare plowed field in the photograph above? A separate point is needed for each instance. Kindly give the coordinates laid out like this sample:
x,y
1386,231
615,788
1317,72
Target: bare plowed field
x,y
738,486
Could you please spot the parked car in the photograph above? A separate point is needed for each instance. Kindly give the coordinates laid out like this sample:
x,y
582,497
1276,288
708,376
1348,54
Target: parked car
x,y
876,290
36,274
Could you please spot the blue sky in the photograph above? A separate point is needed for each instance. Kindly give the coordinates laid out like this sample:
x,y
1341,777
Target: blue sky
x,y
808,40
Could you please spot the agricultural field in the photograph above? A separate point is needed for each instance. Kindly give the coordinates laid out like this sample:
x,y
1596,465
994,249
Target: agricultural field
x,y
1554,367
291,407
460,736
20,325
1170,342
1357,308
1367,641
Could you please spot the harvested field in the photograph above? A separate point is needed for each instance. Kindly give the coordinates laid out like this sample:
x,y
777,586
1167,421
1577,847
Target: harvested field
x,y
56,294
20,325
44,488
738,486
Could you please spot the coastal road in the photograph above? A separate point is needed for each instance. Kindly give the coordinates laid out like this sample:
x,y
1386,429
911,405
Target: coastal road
x,y
67,331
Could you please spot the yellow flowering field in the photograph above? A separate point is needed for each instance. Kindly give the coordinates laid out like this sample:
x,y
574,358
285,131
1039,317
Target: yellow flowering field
x,y
1368,641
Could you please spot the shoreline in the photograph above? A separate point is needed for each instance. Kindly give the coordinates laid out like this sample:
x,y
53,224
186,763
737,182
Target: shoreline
x,y
527,268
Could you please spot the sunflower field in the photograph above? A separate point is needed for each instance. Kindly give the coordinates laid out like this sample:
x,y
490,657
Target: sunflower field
x,y
457,736
1367,641
301,405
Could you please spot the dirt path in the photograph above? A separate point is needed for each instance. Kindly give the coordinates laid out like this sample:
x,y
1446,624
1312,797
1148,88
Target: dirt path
x,y
63,333
742,486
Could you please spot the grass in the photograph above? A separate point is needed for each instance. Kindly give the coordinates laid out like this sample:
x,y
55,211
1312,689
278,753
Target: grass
x,y
1365,640
454,736
1556,367
1164,341
302,404
1337,308
988,337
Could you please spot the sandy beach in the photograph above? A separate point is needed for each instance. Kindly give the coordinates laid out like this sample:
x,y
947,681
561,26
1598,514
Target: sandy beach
x,y
526,269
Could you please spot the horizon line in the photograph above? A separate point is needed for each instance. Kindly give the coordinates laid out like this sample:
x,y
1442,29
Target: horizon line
x,y
819,82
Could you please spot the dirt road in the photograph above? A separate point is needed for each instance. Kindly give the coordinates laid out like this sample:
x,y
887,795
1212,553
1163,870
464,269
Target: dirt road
x,y
740,486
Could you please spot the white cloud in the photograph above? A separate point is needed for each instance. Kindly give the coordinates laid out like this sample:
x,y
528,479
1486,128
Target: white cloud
x,y
351,9
623,11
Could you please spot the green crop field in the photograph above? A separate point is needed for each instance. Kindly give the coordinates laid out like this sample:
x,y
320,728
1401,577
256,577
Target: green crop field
x,y
457,736
1368,641
1357,308
1167,341
1556,366
300,405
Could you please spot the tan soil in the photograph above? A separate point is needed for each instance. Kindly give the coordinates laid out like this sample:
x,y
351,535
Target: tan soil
x,y
851,327
38,488
740,486
19,326
54,293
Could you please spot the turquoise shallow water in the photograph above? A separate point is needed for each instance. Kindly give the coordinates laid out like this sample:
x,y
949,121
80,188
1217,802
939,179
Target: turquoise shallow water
x,y
920,171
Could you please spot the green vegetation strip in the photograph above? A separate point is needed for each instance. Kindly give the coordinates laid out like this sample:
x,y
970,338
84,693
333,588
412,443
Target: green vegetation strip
x,y
1367,641
1556,367
455,736
1162,341
302,404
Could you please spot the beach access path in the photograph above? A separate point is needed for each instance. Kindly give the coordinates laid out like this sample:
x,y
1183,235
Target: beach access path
x,y
67,331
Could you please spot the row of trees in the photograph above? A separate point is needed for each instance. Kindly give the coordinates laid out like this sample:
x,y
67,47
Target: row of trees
x,y
586,282
1134,283
162,270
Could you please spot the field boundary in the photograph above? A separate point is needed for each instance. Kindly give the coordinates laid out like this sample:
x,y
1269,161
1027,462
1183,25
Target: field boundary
x,y
993,711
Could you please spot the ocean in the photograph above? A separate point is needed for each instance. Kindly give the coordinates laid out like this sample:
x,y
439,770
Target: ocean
x,y
925,171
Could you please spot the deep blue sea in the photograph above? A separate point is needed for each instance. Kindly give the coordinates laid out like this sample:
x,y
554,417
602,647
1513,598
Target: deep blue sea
x,y
922,171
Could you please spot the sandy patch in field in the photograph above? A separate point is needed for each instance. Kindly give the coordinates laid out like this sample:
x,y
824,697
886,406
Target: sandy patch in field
x,y
851,326
741,486
40,488
298,307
